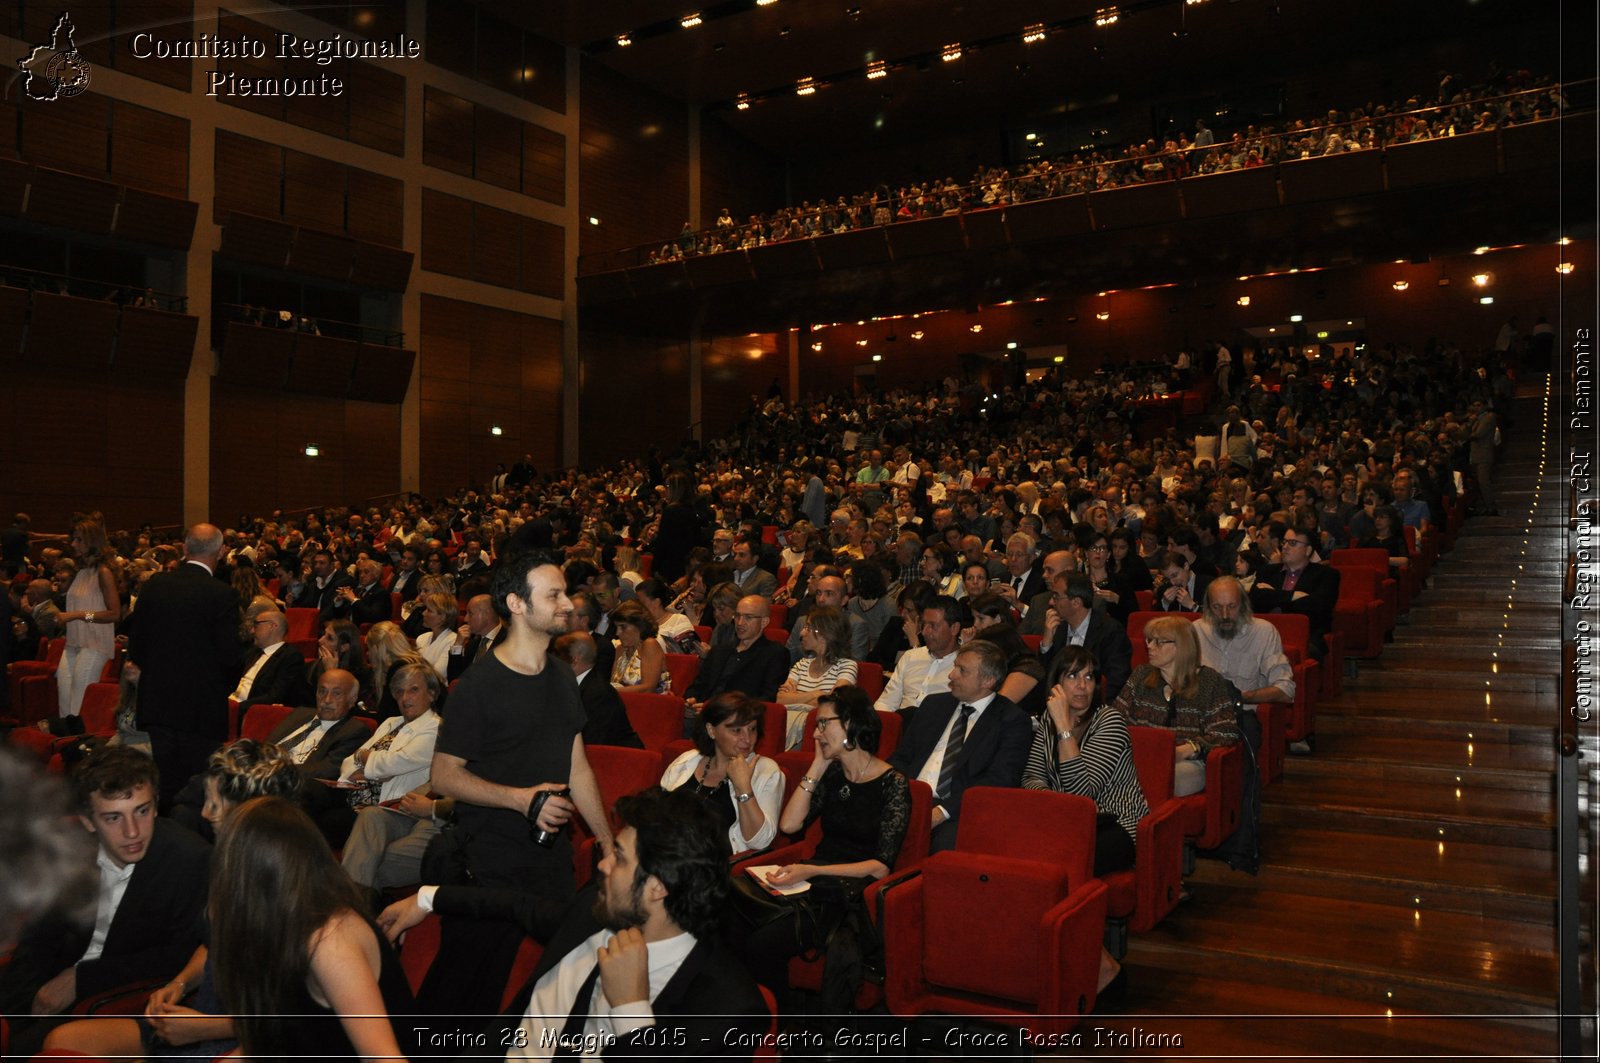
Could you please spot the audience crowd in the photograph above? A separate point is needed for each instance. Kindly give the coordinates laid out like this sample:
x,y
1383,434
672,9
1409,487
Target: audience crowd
x,y
981,545
1503,98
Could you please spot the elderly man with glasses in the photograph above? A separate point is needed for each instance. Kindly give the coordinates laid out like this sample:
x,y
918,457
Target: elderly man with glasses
x,y
1299,585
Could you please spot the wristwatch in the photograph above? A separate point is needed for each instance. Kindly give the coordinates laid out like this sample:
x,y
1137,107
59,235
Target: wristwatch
x,y
742,798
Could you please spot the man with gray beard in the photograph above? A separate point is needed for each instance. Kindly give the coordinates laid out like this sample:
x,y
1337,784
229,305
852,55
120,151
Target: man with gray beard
x,y
1249,654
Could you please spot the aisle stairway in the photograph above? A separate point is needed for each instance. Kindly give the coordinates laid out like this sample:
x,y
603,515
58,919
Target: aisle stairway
x,y
1406,900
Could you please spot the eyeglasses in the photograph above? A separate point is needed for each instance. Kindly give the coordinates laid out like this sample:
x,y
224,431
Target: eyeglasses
x,y
824,721
1151,640
1295,542
1099,548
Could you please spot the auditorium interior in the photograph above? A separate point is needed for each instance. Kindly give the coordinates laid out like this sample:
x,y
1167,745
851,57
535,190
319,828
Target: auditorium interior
x,y
568,233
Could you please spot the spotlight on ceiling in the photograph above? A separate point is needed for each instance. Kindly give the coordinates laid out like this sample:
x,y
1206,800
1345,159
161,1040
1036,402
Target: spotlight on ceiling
x,y
689,22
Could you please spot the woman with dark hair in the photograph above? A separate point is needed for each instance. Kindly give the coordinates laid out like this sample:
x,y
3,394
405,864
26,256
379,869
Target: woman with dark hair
x,y
722,602
825,639
939,568
1082,748
186,1018
1024,681
640,666
865,808
905,635
435,563
742,789
678,531
673,630
869,586
1109,586
301,967
1388,535
339,647
93,607
1125,560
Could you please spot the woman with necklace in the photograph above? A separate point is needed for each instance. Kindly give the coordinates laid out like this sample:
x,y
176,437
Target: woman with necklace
x,y
743,790
865,808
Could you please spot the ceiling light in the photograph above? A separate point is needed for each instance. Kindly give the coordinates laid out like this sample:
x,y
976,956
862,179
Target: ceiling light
x,y
1564,241
977,328
1480,279
878,68
765,3
1481,250
916,335
1106,16
1487,300
1296,318
689,22
861,343
1194,3
1103,315
1033,33
1401,286
742,102
1031,136
312,450
1058,359
805,87
877,358
1564,267
951,53
593,220
496,430
1243,300
816,346
623,40
1322,335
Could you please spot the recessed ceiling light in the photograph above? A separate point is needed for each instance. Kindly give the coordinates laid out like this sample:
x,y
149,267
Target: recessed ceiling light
x,y
312,450
1106,16
742,102
916,335
805,87
1482,249
1480,279
496,430
877,358
1296,318
977,328
951,53
623,40
1401,286
1564,267
689,22
1243,300
1103,316
1033,33
878,68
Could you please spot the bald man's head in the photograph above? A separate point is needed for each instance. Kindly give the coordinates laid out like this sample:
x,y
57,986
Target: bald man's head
x,y
577,649
337,691
203,543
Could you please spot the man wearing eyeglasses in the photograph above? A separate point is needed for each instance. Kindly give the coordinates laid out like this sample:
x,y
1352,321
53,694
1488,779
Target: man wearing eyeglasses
x,y
753,665
274,674
1299,585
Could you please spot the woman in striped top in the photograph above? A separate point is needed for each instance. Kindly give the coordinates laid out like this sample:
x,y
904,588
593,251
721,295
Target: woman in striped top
x,y
825,638
1083,749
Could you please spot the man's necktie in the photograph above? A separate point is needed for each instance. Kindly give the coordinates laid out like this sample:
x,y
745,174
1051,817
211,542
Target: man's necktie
x,y
952,750
572,1029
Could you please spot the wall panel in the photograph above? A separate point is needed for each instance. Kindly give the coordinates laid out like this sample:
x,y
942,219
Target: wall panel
x,y
628,135
484,366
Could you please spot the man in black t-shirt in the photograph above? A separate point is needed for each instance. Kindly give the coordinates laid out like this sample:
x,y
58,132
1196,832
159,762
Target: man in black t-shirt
x,y
514,729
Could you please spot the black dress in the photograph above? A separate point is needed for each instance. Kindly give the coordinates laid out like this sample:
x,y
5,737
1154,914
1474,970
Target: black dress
x,y
313,1031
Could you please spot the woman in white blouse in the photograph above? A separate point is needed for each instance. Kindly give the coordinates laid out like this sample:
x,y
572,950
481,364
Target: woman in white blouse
x,y
440,614
743,790
398,756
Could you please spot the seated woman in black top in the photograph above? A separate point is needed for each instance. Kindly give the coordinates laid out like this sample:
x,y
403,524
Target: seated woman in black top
x,y
865,808
1389,534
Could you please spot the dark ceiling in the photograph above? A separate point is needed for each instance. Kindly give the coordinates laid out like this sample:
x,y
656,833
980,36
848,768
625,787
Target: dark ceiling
x,y
1156,47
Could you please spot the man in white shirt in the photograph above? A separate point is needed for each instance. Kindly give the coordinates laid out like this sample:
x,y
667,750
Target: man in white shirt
x,y
639,969
276,674
926,669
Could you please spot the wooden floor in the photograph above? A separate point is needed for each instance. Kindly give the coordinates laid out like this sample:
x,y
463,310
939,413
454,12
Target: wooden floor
x,y
1406,902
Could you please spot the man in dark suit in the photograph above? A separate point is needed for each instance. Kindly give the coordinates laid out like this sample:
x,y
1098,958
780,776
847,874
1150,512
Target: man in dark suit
x,y
608,718
1299,586
1074,621
324,592
318,739
749,577
366,601
753,665
1185,588
407,576
1056,563
185,640
969,736
274,672
477,638
641,943
152,890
